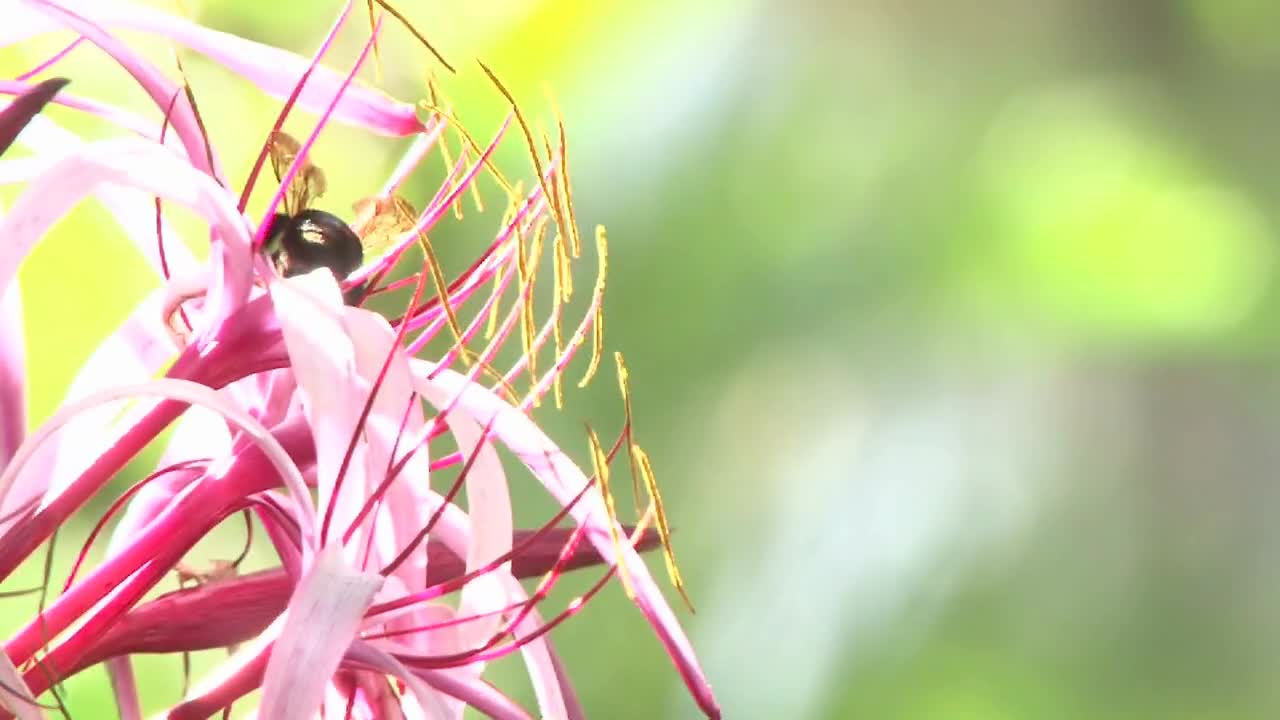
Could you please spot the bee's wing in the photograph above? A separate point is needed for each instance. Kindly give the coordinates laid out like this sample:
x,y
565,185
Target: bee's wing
x,y
380,221
308,183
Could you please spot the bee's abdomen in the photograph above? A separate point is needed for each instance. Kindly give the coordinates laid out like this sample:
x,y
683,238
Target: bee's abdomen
x,y
314,239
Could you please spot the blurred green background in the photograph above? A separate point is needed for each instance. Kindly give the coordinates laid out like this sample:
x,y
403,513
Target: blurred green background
x,y
950,328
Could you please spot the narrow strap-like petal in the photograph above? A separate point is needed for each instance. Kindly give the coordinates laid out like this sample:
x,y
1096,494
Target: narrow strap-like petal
x,y
167,96
311,310
320,624
273,70
145,166
13,386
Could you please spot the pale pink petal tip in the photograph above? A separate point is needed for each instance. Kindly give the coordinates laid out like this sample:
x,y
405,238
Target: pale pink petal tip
x,y
332,596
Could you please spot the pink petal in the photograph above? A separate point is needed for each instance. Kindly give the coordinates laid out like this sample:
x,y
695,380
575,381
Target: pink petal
x,y
144,166
184,391
113,115
131,354
410,503
555,696
474,692
564,480
273,70
490,525
134,353
133,210
162,91
405,507
427,698
573,707
320,623
124,685
197,434
481,537
13,387
490,521
311,310
453,529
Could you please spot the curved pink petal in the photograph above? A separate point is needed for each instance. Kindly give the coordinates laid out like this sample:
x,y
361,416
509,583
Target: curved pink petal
x,y
431,701
124,685
185,391
474,692
490,519
133,210
311,310
131,354
573,707
472,536
320,623
410,503
555,698
405,507
115,116
167,95
273,70
276,72
134,352
197,434
555,695
561,476
13,385
144,166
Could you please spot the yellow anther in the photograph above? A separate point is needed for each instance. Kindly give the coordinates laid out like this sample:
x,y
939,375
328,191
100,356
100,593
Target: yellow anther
x,y
600,462
597,326
568,189
498,277
526,264
533,149
642,470
625,387
557,331
575,237
442,287
564,269
664,530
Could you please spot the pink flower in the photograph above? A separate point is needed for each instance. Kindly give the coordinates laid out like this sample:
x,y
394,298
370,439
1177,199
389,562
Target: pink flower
x,y
332,425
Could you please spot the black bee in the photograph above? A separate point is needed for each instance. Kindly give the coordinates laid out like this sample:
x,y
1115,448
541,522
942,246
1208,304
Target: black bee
x,y
301,238
314,239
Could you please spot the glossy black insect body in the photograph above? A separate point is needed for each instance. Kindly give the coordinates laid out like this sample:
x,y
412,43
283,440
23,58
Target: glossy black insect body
x,y
301,239
314,239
